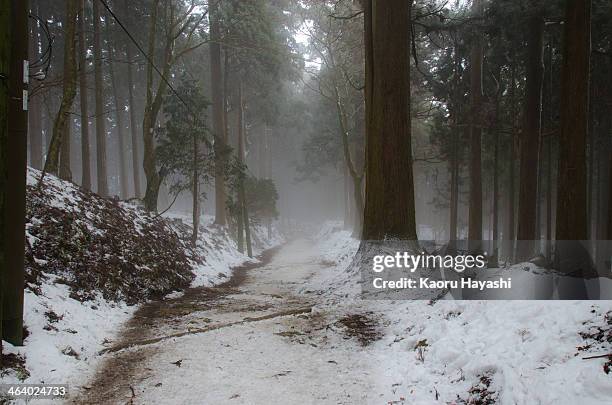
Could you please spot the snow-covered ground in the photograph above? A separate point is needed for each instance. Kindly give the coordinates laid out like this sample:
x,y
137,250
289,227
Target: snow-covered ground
x,y
526,351
345,350
65,334
297,331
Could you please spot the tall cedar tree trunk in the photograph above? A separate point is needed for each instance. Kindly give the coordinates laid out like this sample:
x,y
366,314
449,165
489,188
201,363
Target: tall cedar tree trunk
x,y
226,76
148,122
247,224
608,235
530,139
119,108
591,159
512,168
347,198
152,107
389,201
14,145
132,109
571,195
358,151
195,192
357,178
605,229
85,154
5,57
61,125
216,77
49,119
549,189
267,153
64,172
34,107
549,149
35,131
497,129
454,188
604,199
454,158
100,116
242,203
240,219
594,214
475,210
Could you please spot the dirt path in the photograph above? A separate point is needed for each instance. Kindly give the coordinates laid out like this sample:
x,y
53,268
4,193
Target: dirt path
x,y
165,339
155,321
279,333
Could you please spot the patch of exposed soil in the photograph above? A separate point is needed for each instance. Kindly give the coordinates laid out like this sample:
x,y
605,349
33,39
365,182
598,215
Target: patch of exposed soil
x,y
598,339
480,393
13,363
193,300
598,335
363,327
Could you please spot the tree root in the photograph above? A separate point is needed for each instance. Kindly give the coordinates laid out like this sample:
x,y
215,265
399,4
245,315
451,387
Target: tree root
x,y
601,356
145,342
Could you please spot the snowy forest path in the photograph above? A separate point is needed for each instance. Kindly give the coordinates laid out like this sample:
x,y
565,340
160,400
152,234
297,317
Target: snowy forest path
x,y
180,347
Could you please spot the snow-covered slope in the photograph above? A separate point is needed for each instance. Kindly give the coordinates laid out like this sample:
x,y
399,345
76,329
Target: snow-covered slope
x,y
474,352
90,261
101,245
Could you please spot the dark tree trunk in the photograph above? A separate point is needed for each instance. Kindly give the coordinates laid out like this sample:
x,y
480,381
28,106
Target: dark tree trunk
x,y
591,158
85,154
571,195
100,117
226,77
247,225
349,161
119,108
5,233
346,197
132,107
495,197
475,210
389,202
195,193
152,107
35,131
34,108
608,235
242,202
61,125
550,121
239,224
454,190
512,168
549,196
217,113
530,139
358,201
455,117
64,172
240,191
605,182
13,159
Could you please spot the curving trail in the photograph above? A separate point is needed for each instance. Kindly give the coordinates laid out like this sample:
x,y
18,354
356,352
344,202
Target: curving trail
x,y
252,340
